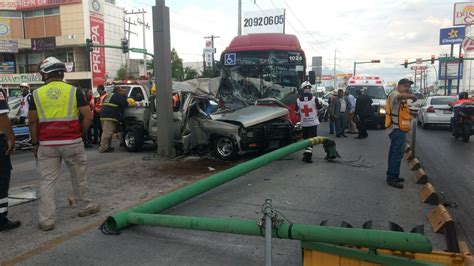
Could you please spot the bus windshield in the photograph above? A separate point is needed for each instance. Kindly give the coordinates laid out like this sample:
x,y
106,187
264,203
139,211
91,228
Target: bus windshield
x,y
264,74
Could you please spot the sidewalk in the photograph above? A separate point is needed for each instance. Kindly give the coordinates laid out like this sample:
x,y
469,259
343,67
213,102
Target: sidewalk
x,y
304,193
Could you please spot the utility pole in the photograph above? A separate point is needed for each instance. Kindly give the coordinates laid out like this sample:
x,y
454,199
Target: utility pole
x,y
239,27
335,79
144,26
162,73
127,36
212,37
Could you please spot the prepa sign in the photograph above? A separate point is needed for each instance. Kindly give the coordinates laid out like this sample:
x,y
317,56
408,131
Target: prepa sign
x,y
463,14
264,21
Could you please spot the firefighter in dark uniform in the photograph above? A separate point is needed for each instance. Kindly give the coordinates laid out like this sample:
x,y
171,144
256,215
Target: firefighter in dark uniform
x,y
7,145
307,105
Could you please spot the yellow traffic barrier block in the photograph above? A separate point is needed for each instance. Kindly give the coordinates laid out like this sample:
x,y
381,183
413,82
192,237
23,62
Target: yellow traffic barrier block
x,y
420,176
414,165
408,148
428,194
410,156
439,217
464,249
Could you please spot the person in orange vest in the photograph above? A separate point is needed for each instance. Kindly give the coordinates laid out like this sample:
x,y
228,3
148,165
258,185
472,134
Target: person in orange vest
x,y
56,135
99,102
398,118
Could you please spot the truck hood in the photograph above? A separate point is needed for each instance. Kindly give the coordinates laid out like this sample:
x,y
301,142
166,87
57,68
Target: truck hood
x,y
252,115
380,102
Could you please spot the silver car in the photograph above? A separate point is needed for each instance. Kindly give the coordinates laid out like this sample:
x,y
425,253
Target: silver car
x,y
435,110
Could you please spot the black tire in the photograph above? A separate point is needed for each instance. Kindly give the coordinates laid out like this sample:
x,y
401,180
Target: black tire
x,y
224,148
466,134
423,124
134,138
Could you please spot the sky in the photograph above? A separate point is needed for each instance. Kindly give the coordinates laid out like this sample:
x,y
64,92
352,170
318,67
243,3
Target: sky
x,y
388,30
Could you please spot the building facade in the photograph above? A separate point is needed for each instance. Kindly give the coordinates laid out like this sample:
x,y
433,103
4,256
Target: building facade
x,y
31,30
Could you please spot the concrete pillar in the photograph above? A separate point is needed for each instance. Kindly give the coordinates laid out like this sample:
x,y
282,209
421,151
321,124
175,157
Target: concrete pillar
x,y
467,83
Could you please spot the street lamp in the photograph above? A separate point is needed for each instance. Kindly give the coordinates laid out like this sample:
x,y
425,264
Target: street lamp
x,y
365,62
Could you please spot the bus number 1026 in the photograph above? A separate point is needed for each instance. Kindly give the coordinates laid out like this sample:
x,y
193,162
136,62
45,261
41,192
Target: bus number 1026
x,y
264,21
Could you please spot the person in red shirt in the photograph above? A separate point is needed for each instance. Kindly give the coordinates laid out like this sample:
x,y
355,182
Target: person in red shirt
x,y
463,99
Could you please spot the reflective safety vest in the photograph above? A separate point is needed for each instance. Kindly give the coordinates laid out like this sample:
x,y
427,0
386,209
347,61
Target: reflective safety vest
x,y
98,104
308,112
399,117
58,114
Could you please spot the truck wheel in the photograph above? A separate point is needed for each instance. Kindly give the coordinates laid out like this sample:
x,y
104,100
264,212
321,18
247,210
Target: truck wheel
x,y
134,139
224,148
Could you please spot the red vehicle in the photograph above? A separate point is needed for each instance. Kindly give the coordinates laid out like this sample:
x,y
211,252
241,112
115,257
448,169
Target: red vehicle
x,y
267,68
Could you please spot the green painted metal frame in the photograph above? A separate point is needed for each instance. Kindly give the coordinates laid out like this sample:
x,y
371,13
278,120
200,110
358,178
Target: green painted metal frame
x,y
148,213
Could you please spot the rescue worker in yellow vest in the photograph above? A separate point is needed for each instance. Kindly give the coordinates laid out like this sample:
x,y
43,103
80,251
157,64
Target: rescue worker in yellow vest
x,y
111,115
56,135
398,118
307,105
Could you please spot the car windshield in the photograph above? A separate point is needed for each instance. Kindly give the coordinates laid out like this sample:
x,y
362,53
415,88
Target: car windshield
x,y
374,92
110,89
443,100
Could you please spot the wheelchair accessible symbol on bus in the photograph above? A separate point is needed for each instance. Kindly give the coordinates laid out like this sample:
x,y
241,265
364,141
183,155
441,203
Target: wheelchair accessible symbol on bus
x,y
229,59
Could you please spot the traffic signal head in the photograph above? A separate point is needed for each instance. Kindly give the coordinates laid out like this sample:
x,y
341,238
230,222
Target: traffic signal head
x,y
461,58
89,45
433,59
124,46
406,63
375,61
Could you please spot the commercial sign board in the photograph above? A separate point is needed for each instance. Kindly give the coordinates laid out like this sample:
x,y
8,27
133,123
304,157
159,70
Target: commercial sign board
x,y
264,21
453,35
97,37
43,44
7,67
9,46
34,4
19,78
8,4
463,13
418,67
327,77
449,70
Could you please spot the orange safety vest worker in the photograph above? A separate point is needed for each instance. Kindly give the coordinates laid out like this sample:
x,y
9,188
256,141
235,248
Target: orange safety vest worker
x,y
399,117
100,102
58,114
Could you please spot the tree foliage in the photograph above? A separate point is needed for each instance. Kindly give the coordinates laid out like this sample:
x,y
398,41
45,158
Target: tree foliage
x,y
190,73
121,73
177,70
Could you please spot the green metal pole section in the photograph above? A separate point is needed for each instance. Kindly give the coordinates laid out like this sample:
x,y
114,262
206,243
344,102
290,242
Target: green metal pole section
x,y
326,234
157,205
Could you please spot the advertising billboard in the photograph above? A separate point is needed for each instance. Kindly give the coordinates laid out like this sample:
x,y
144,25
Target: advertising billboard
x,y
463,13
97,36
264,21
451,35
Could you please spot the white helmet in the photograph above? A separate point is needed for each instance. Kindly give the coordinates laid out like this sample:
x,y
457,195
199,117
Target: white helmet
x,y
24,84
305,84
51,64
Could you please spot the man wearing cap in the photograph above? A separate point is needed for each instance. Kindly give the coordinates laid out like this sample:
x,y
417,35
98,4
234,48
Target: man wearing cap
x,y
25,92
398,118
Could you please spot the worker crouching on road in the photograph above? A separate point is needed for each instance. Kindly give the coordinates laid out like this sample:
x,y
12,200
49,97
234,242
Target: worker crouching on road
x,y
110,116
307,105
56,135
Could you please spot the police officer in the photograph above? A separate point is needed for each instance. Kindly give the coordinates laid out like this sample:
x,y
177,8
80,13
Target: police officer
x,y
7,145
307,105
56,134
25,92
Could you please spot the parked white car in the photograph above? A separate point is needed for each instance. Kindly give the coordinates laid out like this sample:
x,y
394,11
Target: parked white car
x,y
435,110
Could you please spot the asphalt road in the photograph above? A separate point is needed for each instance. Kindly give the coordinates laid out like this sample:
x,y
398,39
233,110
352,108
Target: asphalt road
x,y
305,193
450,166
24,164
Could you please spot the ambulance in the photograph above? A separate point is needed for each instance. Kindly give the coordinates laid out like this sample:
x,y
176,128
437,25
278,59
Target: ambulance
x,y
371,86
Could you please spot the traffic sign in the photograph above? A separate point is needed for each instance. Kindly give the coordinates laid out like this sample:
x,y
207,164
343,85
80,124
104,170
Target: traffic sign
x,y
468,44
138,50
418,67
209,50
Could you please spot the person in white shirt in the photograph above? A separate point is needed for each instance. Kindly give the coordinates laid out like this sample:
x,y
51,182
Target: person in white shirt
x,y
24,106
351,103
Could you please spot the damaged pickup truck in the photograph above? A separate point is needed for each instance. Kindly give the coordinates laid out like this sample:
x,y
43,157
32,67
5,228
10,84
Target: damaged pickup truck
x,y
200,126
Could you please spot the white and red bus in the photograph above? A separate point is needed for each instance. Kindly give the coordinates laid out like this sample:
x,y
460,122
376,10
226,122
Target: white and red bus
x,y
262,66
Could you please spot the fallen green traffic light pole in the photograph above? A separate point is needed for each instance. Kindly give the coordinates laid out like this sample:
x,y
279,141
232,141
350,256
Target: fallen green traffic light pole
x,y
148,212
